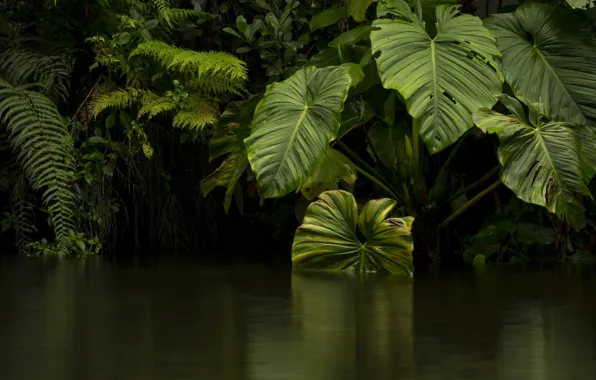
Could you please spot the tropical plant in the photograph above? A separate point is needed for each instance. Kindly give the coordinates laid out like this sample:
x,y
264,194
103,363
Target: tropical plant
x,y
329,237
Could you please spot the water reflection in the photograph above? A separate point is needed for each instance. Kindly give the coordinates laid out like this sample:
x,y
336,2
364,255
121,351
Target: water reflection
x,y
95,320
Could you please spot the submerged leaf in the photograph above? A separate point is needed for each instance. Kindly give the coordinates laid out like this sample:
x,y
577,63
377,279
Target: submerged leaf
x,y
328,238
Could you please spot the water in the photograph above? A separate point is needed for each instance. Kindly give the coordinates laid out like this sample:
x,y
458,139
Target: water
x,y
87,320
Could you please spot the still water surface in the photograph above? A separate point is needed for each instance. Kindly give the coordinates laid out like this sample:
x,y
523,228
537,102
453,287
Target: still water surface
x,y
87,320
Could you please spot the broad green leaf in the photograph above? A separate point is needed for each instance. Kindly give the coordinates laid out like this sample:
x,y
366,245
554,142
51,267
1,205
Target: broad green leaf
x,y
387,140
357,9
336,168
327,17
241,24
328,238
548,58
530,233
542,164
352,36
354,71
325,58
580,4
124,38
355,114
293,125
444,78
514,106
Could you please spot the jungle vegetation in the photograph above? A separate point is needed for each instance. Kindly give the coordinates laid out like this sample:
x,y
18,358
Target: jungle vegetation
x,y
375,135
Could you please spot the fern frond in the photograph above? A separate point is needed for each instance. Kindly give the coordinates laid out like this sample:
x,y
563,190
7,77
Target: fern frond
x,y
178,15
22,66
202,67
197,114
139,4
42,140
152,105
119,99
22,209
163,6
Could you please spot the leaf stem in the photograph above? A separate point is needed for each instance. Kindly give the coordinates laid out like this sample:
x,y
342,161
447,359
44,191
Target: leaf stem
x,y
473,186
471,203
368,173
366,166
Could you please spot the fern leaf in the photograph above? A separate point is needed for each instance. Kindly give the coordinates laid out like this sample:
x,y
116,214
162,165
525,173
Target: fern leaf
x,y
163,6
197,114
42,140
119,99
152,105
178,15
22,66
22,209
204,68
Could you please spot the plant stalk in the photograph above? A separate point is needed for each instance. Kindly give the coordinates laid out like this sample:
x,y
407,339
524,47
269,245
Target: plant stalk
x,y
361,162
378,182
471,203
473,186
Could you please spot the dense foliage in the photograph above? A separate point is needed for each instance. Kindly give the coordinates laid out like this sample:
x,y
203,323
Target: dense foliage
x,y
480,131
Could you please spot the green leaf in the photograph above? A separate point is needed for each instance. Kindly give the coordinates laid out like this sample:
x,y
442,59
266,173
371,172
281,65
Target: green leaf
x,y
386,141
334,169
444,78
232,32
542,164
530,233
227,175
110,121
234,127
357,9
124,38
147,150
355,72
352,36
328,238
241,24
151,24
327,17
293,126
514,106
355,114
325,58
548,58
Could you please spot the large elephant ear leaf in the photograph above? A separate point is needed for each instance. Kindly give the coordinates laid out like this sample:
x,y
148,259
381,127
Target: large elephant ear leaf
x,y
293,125
543,164
328,239
388,240
548,58
444,78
